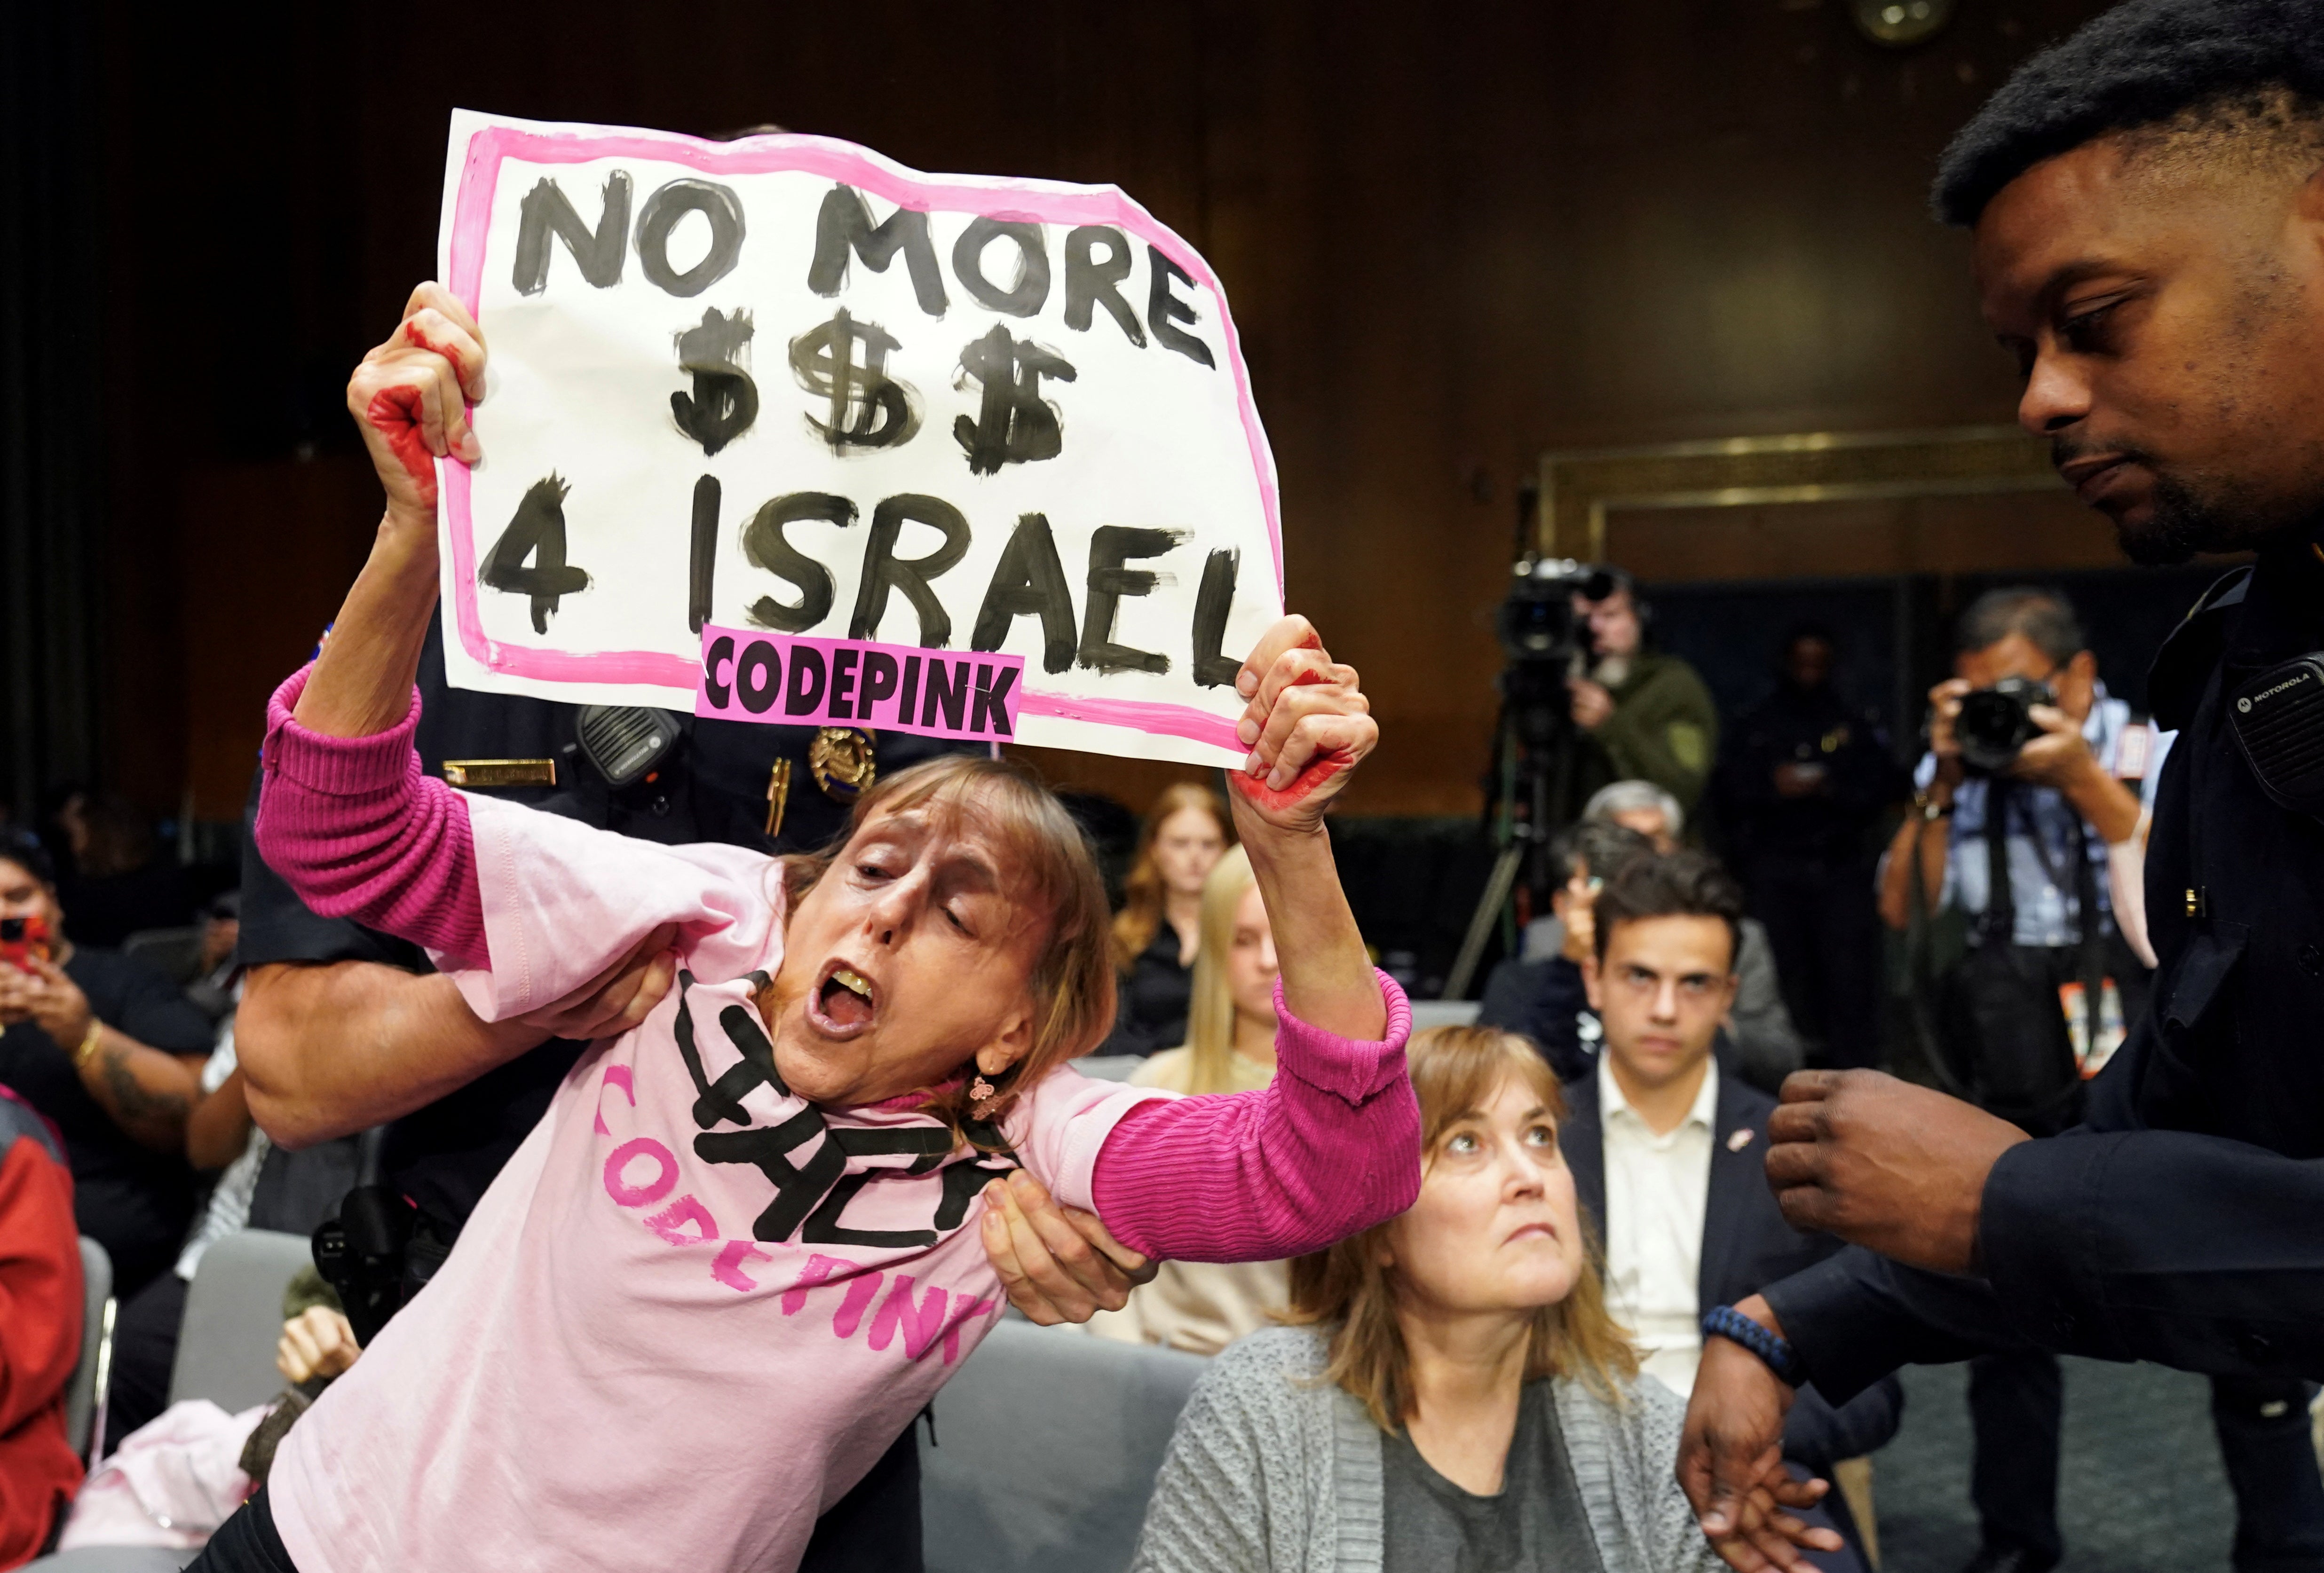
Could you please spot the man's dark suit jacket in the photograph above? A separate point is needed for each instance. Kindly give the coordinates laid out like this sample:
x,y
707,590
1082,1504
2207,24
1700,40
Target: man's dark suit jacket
x,y
1746,1246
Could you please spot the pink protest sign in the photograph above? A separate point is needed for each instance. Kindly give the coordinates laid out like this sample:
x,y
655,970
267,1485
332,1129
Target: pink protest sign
x,y
752,674
783,383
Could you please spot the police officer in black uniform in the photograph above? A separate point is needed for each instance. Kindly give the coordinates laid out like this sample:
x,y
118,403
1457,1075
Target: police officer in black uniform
x,y
2148,206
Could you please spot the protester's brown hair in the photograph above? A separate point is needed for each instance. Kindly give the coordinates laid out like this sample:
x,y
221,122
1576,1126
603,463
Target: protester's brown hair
x,y
1048,864
1141,917
1456,1070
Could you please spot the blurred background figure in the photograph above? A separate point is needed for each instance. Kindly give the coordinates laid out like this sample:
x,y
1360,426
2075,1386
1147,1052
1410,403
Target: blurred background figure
x,y
1197,1306
1646,714
40,1333
1802,782
1159,928
1767,1046
1541,994
111,1052
217,971
113,879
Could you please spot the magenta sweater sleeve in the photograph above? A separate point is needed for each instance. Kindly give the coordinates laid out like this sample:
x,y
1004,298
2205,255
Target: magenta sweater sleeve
x,y
1329,1147
358,830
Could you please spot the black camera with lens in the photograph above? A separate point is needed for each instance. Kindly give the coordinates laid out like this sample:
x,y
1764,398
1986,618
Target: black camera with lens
x,y
1542,636
1995,723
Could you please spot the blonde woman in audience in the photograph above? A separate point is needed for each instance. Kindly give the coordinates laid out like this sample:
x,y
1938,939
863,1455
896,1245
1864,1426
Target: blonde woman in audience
x,y
1202,1307
1156,933
1453,1392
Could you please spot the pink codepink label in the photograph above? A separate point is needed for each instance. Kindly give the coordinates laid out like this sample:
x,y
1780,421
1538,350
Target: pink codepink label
x,y
783,680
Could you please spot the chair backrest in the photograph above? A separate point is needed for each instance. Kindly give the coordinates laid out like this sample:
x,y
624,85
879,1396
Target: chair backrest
x,y
96,1346
1428,1012
1047,1443
176,952
233,1319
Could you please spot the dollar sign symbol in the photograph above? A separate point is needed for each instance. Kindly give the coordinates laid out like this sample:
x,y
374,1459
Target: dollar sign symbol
x,y
846,362
1014,423
724,401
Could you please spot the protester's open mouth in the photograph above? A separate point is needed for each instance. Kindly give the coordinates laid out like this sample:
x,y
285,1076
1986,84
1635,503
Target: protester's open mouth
x,y
843,1002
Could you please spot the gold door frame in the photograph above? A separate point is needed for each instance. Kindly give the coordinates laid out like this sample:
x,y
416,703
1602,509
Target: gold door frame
x,y
1579,489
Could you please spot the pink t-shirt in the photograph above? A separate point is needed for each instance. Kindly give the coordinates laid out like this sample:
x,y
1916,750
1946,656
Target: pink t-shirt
x,y
693,1309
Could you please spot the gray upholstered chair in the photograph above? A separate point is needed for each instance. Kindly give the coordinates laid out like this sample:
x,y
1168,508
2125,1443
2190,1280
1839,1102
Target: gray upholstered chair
x,y
1047,1443
226,1354
84,1395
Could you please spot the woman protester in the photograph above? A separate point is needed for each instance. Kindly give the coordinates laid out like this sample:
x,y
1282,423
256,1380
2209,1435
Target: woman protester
x,y
1454,1394
1158,932
749,1240
1202,1307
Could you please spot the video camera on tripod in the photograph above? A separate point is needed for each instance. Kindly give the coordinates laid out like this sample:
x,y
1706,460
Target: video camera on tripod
x,y
1547,640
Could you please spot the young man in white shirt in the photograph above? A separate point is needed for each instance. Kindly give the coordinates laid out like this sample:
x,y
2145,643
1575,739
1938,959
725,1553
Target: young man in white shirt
x,y
1665,1147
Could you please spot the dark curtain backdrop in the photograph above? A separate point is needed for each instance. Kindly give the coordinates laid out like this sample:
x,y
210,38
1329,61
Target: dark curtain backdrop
x,y
51,406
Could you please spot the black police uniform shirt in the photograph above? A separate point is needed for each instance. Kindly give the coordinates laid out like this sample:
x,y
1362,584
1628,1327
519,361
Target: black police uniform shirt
x,y
713,787
133,1201
2180,1222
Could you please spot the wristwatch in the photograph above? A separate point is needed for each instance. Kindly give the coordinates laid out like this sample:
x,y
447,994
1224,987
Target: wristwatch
x,y
1929,809
1724,1321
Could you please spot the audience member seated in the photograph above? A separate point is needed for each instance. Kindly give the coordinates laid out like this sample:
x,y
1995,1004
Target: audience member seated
x,y
1543,996
221,1140
1767,1046
1456,1394
1666,1149
1202,1307
110,1051
114,884
39,1330
1158,932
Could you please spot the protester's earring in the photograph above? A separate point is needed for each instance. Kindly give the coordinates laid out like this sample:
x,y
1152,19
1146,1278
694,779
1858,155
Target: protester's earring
x,y
983,1097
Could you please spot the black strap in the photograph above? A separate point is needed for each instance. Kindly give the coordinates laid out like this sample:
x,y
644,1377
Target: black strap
x,y
1997,924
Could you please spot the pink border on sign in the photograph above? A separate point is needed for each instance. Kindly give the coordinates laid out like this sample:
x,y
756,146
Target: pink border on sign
x,y
1043,201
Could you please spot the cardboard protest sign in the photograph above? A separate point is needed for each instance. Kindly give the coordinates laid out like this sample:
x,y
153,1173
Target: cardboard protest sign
x,y
780,430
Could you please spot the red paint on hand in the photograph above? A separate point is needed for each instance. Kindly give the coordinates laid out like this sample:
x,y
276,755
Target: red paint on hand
x,y
1320,769
394,414
413,335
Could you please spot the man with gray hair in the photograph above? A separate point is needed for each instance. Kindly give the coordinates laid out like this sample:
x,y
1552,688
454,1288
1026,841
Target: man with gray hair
x,y
1768,1045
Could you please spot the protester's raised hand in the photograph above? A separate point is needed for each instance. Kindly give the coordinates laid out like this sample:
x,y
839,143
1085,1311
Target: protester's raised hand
x,y
1730,1463
1307,724
409,398
1056,1264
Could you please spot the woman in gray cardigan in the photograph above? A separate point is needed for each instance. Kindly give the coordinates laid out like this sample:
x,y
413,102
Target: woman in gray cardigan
x,y
1457,1397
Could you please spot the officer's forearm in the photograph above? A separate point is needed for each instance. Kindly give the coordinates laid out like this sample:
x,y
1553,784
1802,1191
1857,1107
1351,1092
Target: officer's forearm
x,y
330,1049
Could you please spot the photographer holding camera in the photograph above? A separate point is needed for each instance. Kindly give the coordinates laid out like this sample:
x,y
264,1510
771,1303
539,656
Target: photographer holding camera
x,y
2025,740
2034,771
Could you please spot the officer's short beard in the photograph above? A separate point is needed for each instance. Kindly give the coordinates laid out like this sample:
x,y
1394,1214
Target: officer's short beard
x,y
2221,516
